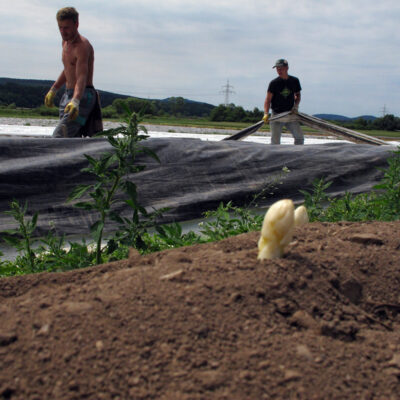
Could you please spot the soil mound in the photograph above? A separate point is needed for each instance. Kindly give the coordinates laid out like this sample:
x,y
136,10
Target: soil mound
x,y
212,322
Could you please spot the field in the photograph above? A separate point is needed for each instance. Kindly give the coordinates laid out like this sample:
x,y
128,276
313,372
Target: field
x,y
193,122
211,322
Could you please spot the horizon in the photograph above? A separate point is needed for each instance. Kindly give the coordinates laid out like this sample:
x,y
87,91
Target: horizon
x,y
215,105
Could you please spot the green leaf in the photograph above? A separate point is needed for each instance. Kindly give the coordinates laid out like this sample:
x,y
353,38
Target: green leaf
x,y
114,142
96,230
105,162
150,153
91,160
12,241
78,192
160,229
116,217
130,189
85,205
143,128
34,220
141,209
131,203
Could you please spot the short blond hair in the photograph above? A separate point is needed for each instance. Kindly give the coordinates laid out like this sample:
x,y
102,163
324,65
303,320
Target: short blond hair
x,y
67,13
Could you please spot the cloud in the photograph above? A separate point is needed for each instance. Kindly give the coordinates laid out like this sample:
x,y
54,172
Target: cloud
x,y
345,53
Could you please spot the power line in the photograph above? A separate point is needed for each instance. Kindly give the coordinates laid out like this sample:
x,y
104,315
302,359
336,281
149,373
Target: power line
x,y
226,90
384,110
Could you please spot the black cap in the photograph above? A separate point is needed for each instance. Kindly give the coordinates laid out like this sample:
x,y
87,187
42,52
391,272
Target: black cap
x,y
281,63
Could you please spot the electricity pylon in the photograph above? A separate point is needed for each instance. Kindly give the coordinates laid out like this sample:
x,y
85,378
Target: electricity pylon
x,y
226,90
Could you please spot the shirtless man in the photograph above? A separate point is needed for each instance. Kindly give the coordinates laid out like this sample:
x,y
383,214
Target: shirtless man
x,y
80,97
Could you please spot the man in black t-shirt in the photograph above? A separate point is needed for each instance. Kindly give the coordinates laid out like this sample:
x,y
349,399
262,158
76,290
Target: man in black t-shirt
x,y
283,95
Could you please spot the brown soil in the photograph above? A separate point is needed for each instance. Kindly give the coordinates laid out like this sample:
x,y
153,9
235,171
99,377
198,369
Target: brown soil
x,y
212,322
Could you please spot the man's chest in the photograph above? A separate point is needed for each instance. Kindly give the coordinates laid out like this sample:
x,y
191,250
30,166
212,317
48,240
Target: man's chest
x,y
283,89
68,56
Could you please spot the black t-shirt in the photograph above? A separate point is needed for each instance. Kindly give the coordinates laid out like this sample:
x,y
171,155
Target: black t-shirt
x,y
283,91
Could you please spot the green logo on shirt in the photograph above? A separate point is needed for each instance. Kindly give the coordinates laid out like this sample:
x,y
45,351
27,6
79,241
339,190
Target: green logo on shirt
x,y
285,92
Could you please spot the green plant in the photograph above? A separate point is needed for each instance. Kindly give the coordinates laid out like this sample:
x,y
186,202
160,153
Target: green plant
x,y
21,238
7,268
270,187
171,235
37,255
315,200
111,172
387,203
349,208
382,203
229,220
54,254
133,231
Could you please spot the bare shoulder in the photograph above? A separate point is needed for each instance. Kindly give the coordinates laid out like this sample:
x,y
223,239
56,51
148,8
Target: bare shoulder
x,y
84,47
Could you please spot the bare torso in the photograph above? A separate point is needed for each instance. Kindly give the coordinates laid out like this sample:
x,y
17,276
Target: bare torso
x,y
78,60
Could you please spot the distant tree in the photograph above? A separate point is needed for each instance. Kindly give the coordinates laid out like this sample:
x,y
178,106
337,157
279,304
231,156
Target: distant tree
x,y
177,105
254,116
359,123
235,114
219,113
388,123
109,112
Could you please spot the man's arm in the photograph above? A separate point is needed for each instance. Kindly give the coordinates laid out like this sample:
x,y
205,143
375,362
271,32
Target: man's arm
x,y
82,70
61,80
297,99
267,105
267,102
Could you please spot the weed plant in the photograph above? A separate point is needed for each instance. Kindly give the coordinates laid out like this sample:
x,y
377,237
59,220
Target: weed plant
x,y
381,204
25,230
110,173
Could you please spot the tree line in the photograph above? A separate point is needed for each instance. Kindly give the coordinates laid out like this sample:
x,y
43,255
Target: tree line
x,y
386,123
24,93
29,94
172,106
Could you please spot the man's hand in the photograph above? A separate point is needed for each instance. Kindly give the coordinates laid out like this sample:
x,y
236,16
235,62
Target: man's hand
x,y
265,118
72,108
49,99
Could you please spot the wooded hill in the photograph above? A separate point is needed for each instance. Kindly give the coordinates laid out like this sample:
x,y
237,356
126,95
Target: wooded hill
x,y
29,93
342,118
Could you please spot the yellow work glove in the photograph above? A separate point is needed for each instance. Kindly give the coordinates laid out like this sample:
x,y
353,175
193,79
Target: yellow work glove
x,y
72,108
49,99
265,118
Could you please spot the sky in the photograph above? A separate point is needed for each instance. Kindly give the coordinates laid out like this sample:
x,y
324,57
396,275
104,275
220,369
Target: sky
x,y
345,52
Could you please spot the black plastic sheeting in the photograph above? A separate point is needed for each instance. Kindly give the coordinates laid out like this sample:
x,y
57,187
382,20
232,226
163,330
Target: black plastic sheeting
x,y
193,176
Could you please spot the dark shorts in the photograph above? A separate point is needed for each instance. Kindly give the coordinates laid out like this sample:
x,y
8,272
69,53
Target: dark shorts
x,y
69,129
